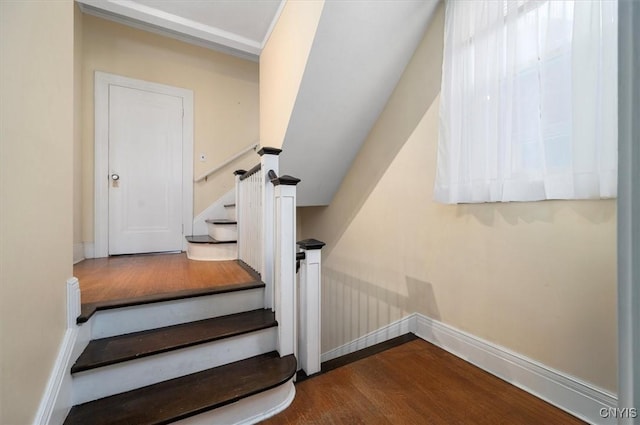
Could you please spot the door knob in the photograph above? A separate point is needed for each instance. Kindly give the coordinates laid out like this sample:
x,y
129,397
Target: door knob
x,y
115,177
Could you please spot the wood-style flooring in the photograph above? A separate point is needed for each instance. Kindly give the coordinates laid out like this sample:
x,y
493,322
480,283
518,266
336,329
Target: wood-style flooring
x,y
415,383
139,279
131,276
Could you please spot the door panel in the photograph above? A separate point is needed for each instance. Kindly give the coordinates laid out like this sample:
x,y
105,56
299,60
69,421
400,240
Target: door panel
x,y
145,155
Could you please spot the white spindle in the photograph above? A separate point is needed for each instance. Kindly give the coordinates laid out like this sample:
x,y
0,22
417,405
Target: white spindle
x,y
249,203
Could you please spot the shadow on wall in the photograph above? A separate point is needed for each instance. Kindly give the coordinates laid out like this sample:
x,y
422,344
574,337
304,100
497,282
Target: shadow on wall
x,y
353,306
415,93
594,211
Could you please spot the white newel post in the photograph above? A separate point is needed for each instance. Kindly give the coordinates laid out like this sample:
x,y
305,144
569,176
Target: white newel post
x,y
310,306
269,162
285,267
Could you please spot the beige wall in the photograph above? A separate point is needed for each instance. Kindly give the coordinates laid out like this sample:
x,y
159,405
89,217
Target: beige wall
x,y
282,64
77,127
537,278
36,196
225,100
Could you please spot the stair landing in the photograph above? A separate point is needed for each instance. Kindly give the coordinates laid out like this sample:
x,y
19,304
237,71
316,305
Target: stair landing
x,y
135,279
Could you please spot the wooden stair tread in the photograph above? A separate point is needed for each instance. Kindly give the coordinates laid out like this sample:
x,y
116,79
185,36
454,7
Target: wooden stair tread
x,y
189,395
121,348
205,239
222,221
88,309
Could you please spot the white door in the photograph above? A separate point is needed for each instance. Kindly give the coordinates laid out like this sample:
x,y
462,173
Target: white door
x,y
145,170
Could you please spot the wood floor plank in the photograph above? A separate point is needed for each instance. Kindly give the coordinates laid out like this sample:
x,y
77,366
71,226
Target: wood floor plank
x,y
117,349
132,276
415,383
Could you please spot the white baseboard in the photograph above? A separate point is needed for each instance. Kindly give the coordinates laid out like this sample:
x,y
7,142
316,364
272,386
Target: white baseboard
x,y
56,401
568,393
89,250
392,330
215,210
577,397
78,252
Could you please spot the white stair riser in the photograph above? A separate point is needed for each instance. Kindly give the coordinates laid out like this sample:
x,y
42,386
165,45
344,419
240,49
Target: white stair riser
x,y
223,232
114,379
250,410
118,321
231,212
212,252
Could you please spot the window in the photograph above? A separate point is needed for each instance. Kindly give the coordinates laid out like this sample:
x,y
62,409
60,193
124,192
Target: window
x,y
528,107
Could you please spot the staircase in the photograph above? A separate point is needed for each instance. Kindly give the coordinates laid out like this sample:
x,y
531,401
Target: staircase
x,y
213,360
221,242
226,355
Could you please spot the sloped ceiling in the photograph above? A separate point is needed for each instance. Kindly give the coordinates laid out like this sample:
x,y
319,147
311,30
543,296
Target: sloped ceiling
x,y
359,53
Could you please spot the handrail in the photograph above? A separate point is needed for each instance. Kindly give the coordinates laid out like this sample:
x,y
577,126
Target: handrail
x,y
227,162
251,172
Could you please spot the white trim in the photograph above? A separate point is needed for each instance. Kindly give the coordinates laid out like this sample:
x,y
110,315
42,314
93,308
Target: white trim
x,y
150,19
385,333
276,17
628,209
56,401
78,252
577,397
101,211
568,393
89,250
285,289
309,311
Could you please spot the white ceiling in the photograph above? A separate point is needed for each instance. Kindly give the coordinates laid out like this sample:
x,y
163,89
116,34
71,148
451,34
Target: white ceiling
x,y
238,27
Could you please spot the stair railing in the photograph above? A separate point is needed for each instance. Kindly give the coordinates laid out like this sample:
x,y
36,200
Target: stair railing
x,y
266,215
255,209
204,176
249,210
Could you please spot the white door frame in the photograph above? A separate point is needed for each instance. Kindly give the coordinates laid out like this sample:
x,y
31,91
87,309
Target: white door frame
x,y
628,213
101,179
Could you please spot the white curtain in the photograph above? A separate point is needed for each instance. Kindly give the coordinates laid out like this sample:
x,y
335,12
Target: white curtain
x,y
528,106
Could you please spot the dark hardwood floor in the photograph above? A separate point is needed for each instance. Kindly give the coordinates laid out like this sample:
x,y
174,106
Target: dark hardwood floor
x,y
133,276
415,383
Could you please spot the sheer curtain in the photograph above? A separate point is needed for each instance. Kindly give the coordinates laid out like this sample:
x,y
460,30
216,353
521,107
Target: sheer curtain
x,y
528,106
